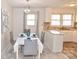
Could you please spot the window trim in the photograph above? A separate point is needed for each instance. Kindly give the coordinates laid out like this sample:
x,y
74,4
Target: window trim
x,y
33,19
71,19
61,20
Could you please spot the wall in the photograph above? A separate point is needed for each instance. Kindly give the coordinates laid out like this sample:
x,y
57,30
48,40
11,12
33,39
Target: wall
x,y
17,22
5,6
61,10
5,40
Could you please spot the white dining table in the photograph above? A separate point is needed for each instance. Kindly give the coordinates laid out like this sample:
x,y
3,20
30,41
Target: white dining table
x,y
20,41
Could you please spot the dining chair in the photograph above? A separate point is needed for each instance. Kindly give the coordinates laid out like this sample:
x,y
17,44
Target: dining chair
x,y
11,49
30,49
42,36
11,39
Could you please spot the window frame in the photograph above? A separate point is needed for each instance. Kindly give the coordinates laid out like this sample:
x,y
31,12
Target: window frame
x,y
30,19
61,20
71,19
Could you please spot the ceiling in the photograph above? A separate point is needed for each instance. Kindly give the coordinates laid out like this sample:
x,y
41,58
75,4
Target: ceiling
x,y
41,3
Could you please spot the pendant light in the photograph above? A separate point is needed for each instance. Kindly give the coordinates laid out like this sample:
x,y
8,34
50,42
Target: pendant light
x,y
27,10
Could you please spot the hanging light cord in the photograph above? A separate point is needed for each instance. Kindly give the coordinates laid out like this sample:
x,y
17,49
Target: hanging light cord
x,y
28,7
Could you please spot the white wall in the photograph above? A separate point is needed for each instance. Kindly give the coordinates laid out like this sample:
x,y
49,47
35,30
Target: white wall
x,y
17,22
5,40
5,6
63,10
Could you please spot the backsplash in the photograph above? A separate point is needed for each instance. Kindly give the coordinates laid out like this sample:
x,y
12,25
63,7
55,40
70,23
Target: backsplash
x,y
47,26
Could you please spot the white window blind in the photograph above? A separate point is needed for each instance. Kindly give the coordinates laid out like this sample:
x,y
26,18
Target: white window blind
x,y
30,19
67,20
55,19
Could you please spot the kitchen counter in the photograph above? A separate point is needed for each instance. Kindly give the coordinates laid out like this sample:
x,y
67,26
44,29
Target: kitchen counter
x,y
55,32
70,36
54,41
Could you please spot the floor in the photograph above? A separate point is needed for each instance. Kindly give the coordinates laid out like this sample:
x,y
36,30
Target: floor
x,y
69,52
47,54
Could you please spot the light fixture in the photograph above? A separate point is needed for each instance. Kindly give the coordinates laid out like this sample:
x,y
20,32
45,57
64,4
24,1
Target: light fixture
x,y
72,5
27,10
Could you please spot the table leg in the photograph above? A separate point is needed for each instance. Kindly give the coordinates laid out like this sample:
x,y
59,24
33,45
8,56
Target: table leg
x,y
17,54
38,57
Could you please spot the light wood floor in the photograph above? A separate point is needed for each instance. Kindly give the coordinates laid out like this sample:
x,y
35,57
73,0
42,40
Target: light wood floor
x,y
70,50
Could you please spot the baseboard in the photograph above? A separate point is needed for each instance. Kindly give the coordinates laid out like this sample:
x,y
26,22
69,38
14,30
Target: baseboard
x,y
70,42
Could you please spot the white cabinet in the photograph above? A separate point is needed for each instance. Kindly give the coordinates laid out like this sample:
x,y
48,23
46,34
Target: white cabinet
x,y
70,36
54,41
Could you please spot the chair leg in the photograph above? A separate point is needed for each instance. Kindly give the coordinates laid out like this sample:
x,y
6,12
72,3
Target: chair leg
x,y
29,57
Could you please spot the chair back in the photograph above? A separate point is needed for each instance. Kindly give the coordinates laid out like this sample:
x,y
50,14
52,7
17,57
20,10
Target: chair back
x,y
30,47
42,36
11,38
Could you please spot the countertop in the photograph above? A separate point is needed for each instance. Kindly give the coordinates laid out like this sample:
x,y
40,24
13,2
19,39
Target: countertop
x,y
55,32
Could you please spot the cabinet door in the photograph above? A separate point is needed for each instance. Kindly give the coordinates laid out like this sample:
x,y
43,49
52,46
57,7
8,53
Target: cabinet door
x,y
69,36
74,36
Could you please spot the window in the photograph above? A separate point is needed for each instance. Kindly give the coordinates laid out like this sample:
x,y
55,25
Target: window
x,y
55,20
61,19
67,20
30,19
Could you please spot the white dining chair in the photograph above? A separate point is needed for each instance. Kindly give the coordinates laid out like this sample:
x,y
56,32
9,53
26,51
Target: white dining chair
x,y
12,42
30,49
11,39
42,36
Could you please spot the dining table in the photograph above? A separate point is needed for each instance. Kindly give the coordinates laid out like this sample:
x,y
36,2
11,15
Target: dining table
x,y
20,41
